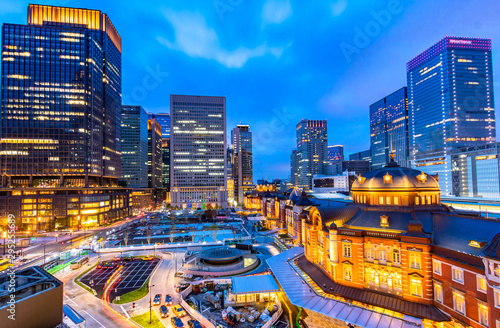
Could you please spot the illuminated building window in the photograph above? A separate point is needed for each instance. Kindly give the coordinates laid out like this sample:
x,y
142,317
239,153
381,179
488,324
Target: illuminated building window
x,y
415,260
417,200
416,286
429,200
483,313
422,200
438,292
369,254
382,255
436,267
396,256
388,200
381,200
481,283
459,302
497,298
396,200
347,249
457,275
364,199
347,272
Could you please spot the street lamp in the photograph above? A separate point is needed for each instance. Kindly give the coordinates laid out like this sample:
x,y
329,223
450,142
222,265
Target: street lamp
x,y
150,303
57,235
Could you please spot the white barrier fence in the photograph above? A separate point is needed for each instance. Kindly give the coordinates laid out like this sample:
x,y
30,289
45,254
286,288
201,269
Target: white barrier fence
x,y
275,317
195,314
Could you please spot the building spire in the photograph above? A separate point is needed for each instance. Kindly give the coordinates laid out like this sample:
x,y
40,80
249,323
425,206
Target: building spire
x,y
392,162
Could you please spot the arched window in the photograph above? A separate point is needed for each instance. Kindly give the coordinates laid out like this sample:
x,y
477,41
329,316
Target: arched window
x,y
396,256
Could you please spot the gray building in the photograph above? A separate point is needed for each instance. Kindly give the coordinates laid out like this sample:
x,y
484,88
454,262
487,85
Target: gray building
x,y
475,171
312,151
198,156
364,155
389,119
134,141
450,103
242,162
155,170
293,167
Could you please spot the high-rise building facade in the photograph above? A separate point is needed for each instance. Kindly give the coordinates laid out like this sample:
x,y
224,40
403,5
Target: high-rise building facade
x,y
165,163
335,154
164,120
155,170
134,142
389,120
450,103
242,165
60,117
312,154
364,155
293,167
198,154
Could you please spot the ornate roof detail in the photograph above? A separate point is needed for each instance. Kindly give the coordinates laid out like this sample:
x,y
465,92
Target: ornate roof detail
x,y
361,179
387,178
422,177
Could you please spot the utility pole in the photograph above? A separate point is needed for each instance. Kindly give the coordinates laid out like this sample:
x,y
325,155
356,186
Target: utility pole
x,y
150,303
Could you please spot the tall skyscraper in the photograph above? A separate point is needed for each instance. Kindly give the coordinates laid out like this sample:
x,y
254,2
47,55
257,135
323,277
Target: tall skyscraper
x,y
312,155
198,154
389,117
60,117
450,103
364,155
134,146
165,163
155,171
164,120
293,167
242,165
335,154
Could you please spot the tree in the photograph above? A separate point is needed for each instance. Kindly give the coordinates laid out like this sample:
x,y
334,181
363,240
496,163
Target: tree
x,y
214,228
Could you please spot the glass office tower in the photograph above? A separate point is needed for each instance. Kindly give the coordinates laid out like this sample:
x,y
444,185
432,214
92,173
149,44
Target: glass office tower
x,y
450,103
198,155
335,154
155,169
164,120
60,117
389,116
312,154
134,147
242,164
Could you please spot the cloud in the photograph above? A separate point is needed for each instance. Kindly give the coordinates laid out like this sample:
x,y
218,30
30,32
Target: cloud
x,y
338,7
276,11
194,38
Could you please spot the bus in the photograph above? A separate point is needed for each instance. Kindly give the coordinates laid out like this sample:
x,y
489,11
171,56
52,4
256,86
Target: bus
x,y
77,263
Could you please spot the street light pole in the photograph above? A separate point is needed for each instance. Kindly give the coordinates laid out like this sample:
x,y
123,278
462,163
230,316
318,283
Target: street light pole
x,y
43,254
150,303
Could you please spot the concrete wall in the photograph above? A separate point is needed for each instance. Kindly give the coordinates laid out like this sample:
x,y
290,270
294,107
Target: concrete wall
x,y
43,310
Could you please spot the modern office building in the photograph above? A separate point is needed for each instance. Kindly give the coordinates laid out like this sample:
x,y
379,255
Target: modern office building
x,y
134,141
312,154
155,169
333,183
335,154
364,155
164,120
450,103
389,123
293,167
475,171
60,117
229,178
198,154
165,163
242,164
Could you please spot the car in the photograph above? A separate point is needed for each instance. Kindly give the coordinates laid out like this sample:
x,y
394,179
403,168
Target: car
x,y
178,311
164,311
194,324
168,299
99,266
111,265
181,287
129,258
117,258
157,299
176,322
148,258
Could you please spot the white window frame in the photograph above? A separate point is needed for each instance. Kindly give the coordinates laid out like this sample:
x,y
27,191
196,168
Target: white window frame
x,y
485,282
416,255
437,263
496,295
498,323
455,305
438,297
344,247
453,268
421,284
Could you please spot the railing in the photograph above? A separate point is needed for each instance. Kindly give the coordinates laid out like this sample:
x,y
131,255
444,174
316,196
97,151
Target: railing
x,y
195,314
275,316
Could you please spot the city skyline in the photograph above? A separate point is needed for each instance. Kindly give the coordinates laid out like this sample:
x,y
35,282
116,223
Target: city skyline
x,y
316,79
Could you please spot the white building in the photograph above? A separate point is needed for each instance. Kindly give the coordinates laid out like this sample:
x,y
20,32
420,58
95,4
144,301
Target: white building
x,y
333,183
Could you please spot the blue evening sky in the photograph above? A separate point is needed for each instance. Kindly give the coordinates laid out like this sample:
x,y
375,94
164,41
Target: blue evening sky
x,y
279,61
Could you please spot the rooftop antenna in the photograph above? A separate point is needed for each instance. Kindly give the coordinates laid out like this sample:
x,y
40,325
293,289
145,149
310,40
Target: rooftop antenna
x,y
392,155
